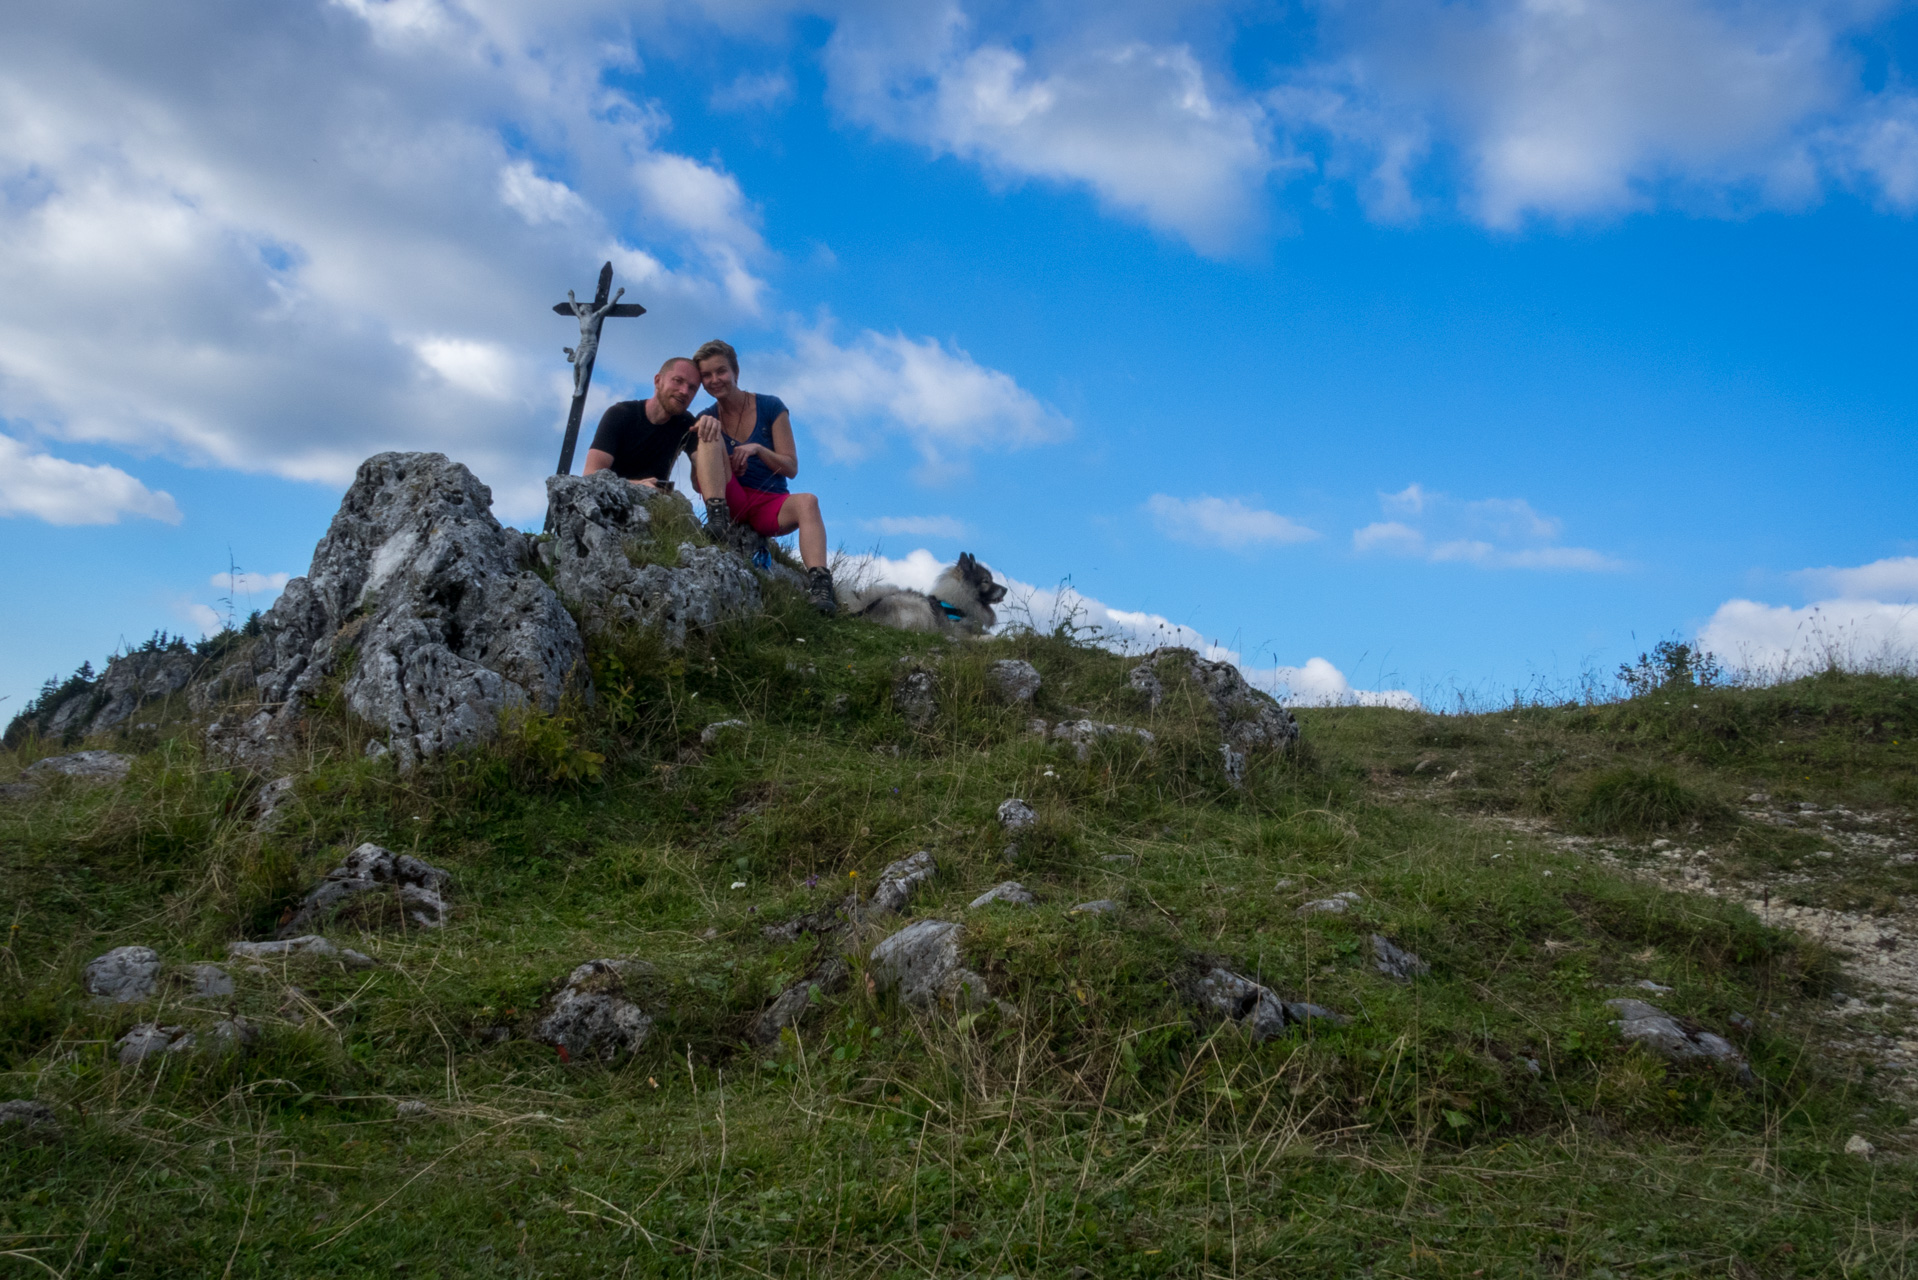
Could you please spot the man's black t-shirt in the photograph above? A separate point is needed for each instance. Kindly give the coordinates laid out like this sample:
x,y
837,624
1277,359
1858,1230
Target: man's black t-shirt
x,y
642,449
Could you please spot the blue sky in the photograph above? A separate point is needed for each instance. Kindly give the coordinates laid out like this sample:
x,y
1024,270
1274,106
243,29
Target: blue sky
x,y
1387,346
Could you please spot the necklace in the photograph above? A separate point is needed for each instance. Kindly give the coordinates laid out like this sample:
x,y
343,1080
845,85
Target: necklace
x,y
730,422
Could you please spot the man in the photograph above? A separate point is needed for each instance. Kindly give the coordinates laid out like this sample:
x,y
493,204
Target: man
x,y
639,440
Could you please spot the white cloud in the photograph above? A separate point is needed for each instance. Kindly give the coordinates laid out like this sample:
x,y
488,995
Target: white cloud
x,y
62,492
1492,533
1206,521
248,584
317,236
1868,623
1142,124
932,394
1316,683
917,526
753,91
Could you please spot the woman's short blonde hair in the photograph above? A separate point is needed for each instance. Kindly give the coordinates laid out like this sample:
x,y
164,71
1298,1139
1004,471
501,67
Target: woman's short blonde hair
x,y
717,347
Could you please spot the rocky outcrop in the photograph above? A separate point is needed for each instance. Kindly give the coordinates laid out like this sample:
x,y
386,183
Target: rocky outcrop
x,y
130,681
1082,734
605,550
83,766
596,1013
425,611
374,888
1249,720
923,963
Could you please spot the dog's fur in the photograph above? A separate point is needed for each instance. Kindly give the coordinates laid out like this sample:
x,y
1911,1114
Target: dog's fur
x,y
967,586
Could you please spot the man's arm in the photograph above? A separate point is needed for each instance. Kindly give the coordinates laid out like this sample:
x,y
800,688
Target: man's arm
x,y
600,460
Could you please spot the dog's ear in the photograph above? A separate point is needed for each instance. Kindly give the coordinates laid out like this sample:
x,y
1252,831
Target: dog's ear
x,y
966,564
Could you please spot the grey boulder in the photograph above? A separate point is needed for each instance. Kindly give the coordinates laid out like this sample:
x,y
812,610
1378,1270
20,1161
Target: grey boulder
x,y
145,1039
1016,815
229,1035
597,523
900,880
206,981
915,696
374,887
1660,1033
923,964
1014,680
596,1013
425,612
25,1118
85,766
1252,1005
123,975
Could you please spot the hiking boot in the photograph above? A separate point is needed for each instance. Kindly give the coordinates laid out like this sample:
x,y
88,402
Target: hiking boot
x,y
819,591
719,523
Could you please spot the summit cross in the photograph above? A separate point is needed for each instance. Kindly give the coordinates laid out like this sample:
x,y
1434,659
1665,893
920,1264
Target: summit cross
x,y
591,315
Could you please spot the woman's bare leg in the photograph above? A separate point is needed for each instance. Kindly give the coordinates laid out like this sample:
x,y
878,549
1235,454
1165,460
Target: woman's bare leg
x,y
710,470
801,512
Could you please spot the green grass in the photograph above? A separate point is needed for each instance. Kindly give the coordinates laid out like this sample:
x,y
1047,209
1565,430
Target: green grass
x,y
1100,1127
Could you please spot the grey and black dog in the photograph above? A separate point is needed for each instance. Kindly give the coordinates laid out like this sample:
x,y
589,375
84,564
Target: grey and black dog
x,y
961,600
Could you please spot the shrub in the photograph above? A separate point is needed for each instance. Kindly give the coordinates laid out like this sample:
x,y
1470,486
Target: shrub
x,y
1629,800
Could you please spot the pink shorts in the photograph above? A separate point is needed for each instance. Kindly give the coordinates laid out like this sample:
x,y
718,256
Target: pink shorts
x,y
754,508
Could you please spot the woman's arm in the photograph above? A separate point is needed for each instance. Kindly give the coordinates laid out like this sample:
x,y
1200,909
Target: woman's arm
x,y
782,458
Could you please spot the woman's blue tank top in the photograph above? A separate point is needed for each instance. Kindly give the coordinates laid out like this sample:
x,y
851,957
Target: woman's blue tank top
x,y
758,475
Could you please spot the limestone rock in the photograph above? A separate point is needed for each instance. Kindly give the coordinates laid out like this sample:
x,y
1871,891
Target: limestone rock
x,y
1337,904
1857,1145
1254,1006
594,520
1097,907
229,1035
1010,891
266,805
1666,1036
596,1014
800,998
413,1109
133,680
900,879
445,623
1395,961
922,962
1083,733
123,975
1249,719
710,734
23,1118
144,1039
207,981
12,791
1016,815
371,888
914,695
311,946
1014,680
1119,861
86,766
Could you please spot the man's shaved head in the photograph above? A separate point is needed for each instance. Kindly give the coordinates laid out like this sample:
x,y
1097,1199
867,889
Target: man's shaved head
x,y
673,360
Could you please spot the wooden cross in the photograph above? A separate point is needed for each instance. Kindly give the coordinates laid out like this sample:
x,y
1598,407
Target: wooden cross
x,y
590,315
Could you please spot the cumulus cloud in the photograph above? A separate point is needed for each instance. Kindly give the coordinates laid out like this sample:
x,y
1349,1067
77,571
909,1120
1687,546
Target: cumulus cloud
x,y
917,526
1492,533
1868,623
281,240
62,492
249,584
933,395
1206,521
1315,683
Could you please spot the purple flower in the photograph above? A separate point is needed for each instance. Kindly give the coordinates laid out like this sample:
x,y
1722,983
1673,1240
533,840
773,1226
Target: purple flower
x,y
812,882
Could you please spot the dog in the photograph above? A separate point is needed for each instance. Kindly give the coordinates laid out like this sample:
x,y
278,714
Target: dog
x,y
960,601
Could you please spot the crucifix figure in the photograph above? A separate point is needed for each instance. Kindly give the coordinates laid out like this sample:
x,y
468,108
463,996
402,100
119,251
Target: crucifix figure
x,y
591,315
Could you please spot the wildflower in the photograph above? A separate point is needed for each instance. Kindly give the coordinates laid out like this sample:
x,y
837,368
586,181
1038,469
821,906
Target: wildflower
x,y
812,882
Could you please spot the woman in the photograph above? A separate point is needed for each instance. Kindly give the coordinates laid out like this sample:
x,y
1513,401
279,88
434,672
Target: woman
x,y
744,457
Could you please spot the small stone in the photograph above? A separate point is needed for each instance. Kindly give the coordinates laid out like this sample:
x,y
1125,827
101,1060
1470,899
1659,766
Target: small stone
x,y
370,887
1082,734
87,766
309,946
1658,1031
143,1040
1014,680
412,1109
915,696
1646,984
229,1035
1010,891
1016,815
18,791
1857,1146
23,1117
594,1014
923,963
1334,905
266,805
1299,1012
710,734
123,975
900,880
1395,961
1119,861
1097,907
209,981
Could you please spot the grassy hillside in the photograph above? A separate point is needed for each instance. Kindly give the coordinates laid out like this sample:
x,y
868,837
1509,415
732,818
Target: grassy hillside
x,y
1483,1120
